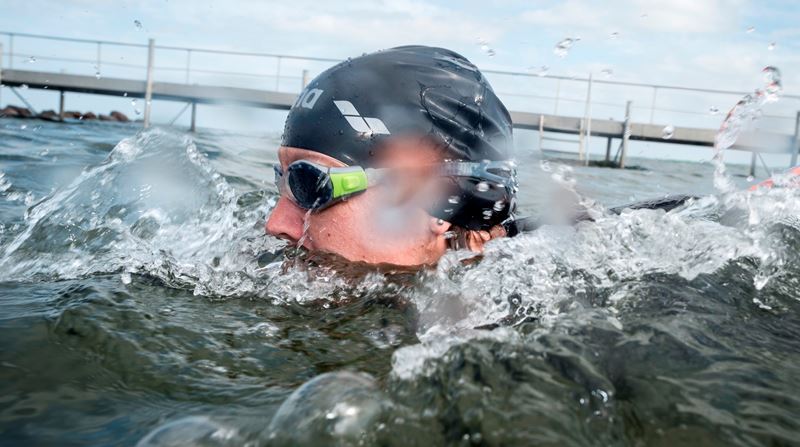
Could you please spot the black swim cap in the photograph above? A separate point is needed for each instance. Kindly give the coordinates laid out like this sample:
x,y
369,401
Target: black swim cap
x,y
349,109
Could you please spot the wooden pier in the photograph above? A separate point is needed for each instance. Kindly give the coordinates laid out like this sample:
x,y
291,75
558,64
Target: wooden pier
x,y
584,127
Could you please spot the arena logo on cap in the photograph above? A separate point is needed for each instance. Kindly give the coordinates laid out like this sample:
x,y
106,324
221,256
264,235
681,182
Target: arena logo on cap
x,y
360,123
308,98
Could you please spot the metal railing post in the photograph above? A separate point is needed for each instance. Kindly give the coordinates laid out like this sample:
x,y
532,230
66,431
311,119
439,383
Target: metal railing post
x,y
626,134
278,75
558,92
653,104
11,50
796,141
99,58
588,117
1,74
188,64
148,92
304,82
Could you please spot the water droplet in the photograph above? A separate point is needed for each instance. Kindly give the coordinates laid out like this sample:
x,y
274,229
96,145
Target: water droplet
x,y
542,71
454,199
133,102
125,95
138,24
478,99
24,87
613,35
713,110
97,74
563,46
484,46
772,83
771,46
750,178
23,127
482,187
499,205
32,60
668,131
607,72
125,277
544,165
750,29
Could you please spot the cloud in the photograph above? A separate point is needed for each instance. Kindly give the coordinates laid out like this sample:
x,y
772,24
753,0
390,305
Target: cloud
x,y
676,16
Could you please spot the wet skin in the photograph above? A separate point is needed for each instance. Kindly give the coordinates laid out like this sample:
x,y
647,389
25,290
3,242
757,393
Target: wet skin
x,y
366,227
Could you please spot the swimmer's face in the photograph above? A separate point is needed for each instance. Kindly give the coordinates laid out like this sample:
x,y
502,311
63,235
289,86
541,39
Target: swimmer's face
x,y
373,227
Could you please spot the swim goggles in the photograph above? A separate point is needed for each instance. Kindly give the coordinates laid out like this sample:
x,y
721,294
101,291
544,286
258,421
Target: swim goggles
x,y
314,187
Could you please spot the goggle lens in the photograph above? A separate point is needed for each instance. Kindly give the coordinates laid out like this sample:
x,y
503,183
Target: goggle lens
x,y
308,185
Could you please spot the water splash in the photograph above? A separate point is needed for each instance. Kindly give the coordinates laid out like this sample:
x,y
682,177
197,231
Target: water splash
x,y
740,117
485,48
668,132
564,46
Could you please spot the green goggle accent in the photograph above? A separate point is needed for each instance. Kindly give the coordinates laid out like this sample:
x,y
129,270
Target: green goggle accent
x,y
314,186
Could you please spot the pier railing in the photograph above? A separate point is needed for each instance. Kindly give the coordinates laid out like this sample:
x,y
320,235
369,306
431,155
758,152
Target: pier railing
x,y
520,90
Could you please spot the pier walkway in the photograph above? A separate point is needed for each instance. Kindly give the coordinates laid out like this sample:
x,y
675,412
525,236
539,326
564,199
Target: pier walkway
x,y
557,127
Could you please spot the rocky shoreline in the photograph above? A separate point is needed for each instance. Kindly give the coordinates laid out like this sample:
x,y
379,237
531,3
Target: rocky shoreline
x,y
52,115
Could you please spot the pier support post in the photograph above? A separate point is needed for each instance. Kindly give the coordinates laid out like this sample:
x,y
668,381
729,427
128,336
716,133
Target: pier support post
x,y
541,135
753,164
608,150
588,117
796,141
1,73
304,81
192,126
626,134
61,105
148,92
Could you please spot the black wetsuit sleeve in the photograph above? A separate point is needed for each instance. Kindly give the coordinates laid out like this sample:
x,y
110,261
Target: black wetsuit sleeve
x,y
525,224
665,203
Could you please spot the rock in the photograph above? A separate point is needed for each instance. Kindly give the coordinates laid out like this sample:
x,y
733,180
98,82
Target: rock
x,y
17,112
105,118
88,116
72,114
119,116
9,112
49,115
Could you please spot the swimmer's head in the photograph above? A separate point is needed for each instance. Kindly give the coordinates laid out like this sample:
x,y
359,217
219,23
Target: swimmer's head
x,y
428,147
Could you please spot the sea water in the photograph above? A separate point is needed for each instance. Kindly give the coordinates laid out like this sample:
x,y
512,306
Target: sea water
x,y
142,303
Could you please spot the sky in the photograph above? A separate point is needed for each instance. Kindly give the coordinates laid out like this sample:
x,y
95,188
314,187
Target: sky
x,y
720,44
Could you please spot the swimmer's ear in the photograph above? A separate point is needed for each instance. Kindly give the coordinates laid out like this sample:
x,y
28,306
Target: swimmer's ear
x,y
438,226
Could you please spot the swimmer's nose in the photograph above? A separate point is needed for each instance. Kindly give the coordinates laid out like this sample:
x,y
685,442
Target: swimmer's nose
x,y
286,221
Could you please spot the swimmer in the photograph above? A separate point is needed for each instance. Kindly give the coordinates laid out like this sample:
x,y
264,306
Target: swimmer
x,y
397,156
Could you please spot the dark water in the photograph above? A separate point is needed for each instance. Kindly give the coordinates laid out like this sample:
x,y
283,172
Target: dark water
x,y
133,309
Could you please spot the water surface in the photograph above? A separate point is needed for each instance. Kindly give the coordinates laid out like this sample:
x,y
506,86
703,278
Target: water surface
x,y
137,305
